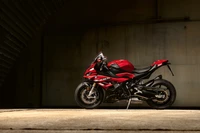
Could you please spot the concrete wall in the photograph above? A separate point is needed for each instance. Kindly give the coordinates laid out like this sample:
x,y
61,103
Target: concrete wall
x,y
28,75
62,71
22,87
74,36
140,43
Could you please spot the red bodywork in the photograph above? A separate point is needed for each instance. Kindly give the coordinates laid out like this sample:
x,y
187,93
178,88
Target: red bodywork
x,y
159,62
106,81
123,64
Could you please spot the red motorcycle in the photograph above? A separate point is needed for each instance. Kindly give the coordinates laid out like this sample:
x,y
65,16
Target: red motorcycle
x,y
120,80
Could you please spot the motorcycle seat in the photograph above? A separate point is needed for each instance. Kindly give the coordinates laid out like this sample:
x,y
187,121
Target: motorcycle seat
x,y
141,70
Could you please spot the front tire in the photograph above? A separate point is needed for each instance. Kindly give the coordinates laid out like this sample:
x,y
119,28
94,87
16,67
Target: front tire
x,y
169,95
82,92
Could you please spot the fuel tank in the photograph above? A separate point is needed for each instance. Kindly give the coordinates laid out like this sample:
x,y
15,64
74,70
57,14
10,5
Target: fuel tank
x,y
122,65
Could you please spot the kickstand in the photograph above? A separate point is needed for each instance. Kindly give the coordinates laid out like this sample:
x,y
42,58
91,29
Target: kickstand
x,y
129,102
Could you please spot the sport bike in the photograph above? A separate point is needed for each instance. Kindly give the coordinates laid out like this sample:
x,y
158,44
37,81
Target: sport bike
x,y
120,80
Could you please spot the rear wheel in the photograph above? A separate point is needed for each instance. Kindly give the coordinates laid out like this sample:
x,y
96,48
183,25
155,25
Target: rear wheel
x,y
165,97
82,99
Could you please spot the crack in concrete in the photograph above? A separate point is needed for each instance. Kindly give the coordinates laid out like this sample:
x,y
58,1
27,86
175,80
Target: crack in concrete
x,y
98,129
14,110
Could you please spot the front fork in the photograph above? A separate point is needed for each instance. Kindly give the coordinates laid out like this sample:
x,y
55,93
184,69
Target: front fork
x,y
91,91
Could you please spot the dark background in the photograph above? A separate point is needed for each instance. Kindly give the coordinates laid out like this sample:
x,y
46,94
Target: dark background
x,y
45,46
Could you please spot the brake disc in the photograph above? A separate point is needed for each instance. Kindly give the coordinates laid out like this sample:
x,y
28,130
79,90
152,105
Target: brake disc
x,y
90,100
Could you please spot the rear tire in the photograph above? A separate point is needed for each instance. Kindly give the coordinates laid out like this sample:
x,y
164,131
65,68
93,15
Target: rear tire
x,y
83,101
166,103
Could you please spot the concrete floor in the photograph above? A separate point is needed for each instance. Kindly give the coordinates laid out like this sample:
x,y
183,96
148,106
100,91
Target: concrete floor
x,y
99,121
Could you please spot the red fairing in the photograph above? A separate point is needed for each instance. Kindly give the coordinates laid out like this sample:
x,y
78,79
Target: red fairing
x,y
123,64
105,85
120,80
159,62
90,69
90,72
128,75
105,81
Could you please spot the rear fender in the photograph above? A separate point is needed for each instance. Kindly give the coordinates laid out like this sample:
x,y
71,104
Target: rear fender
x,y
159,63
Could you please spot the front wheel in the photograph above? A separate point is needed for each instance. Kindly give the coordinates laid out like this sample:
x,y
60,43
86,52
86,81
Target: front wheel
x,y
164,98
82,99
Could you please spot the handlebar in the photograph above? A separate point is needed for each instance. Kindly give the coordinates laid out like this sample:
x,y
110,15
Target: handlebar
x,y
102,65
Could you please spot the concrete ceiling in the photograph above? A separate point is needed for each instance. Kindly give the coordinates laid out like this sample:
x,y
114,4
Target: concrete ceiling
x,y
78,13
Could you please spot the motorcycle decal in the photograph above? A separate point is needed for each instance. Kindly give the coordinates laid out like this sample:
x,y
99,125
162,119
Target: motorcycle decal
x,y
105,85
100,78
